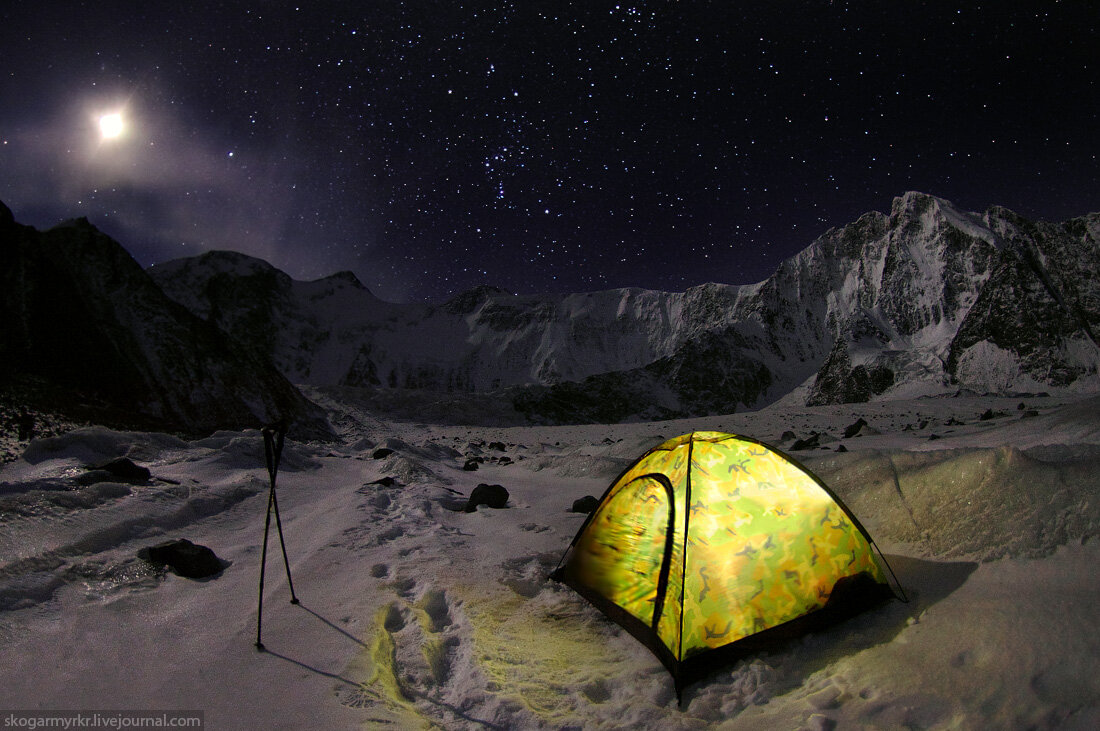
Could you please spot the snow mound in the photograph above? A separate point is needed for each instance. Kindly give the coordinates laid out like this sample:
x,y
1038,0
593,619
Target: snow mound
x,y
92,444
245,450
971,503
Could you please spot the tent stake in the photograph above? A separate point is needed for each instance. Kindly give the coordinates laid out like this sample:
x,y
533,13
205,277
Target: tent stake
x,y
273,450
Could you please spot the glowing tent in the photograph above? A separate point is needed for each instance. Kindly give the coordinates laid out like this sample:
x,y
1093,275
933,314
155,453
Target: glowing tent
x,y
712,545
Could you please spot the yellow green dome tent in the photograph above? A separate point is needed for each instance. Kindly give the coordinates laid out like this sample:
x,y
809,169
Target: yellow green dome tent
x,y
712,545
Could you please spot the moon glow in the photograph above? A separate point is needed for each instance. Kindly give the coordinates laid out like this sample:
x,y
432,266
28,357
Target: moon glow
x,y
110,126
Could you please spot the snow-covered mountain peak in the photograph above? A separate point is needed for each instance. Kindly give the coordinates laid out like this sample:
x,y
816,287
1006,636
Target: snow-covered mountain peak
x,y
344,277
869,309
221,262
470,300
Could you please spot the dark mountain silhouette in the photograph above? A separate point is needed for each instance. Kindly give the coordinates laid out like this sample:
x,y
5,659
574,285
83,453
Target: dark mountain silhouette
x,y
84,328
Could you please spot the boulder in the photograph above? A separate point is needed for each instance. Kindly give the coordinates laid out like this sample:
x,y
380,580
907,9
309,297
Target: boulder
x,y
495,496
852,429
94,477
184,557
121,470
812,442
586,504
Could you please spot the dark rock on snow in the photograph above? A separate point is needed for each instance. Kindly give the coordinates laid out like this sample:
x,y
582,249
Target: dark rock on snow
x,y
187,559
853,429
586,504
382,453
470,466
495,496
122,469
809,443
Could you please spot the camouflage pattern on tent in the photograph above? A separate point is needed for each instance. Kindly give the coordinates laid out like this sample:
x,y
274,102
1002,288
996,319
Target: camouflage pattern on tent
x,y
716,542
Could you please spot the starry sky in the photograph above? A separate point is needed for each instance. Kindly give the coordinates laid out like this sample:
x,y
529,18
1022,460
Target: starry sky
x,y
538,146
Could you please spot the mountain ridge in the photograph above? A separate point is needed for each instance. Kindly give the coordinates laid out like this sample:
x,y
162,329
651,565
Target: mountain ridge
x,y
80,319
923,299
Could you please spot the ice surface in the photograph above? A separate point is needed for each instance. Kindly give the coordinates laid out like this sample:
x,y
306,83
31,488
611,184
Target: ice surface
x,y
417,615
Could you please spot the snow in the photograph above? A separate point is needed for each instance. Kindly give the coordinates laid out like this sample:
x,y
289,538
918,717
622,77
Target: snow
x,y
415,614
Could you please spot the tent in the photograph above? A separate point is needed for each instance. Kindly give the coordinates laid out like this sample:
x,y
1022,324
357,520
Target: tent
x,y
712,546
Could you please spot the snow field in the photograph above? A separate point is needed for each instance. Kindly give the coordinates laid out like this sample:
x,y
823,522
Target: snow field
x,y
417,615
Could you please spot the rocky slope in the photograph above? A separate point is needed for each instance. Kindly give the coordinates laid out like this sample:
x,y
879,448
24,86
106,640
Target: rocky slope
x,y
921,300
88,329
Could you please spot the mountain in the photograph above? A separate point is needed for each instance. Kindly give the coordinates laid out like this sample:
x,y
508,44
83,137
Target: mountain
x,y
931,296
925,299
83,323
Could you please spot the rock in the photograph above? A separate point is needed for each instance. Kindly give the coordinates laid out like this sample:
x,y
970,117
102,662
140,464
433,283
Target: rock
x,y
385,482
382,453
808,443
495,496
838,382
586,504
1029,414
842,448
94,477
121,469
470,466
986,415
498,446
186,558
788,436
853,429
820,722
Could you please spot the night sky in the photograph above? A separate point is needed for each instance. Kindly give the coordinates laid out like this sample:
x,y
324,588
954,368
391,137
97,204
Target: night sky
x,y
537,146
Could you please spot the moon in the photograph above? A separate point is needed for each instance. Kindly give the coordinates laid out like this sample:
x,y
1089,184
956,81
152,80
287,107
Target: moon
x,y
110,126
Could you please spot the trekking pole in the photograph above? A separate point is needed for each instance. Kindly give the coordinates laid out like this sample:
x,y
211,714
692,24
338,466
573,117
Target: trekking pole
x,y
273,450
